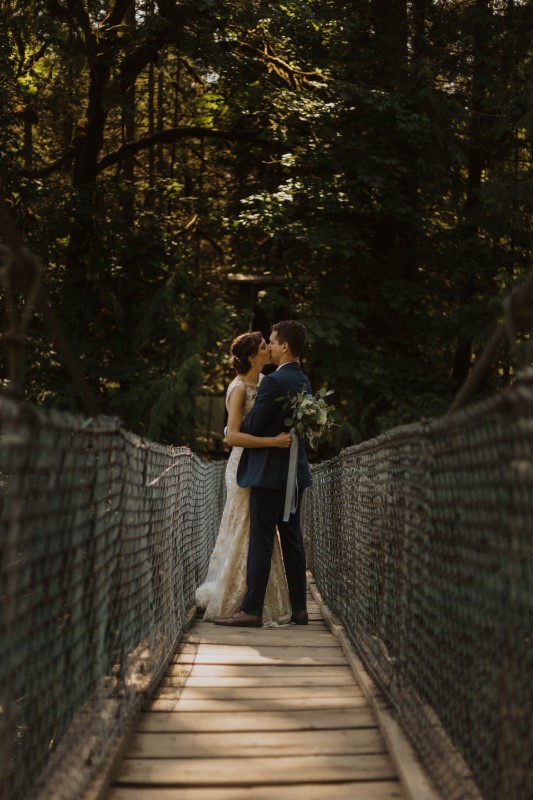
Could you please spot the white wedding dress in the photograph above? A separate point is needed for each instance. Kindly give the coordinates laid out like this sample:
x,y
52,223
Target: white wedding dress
x,y
225,585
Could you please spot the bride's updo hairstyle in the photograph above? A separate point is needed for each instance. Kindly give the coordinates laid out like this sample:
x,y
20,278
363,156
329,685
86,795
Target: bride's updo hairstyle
x,y
242,348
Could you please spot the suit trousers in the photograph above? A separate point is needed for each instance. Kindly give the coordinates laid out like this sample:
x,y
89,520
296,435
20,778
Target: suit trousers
x,y
266,513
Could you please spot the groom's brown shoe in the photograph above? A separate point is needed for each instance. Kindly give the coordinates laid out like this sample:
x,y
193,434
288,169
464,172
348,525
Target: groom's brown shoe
x,y
241,620
300,618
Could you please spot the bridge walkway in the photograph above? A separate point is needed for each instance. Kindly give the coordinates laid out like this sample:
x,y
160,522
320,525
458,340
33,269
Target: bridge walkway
x,y
268,714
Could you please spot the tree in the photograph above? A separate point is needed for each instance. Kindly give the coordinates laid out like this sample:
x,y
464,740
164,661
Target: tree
x,y
371,160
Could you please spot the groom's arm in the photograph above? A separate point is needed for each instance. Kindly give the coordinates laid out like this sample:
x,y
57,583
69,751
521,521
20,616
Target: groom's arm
x,y
265,407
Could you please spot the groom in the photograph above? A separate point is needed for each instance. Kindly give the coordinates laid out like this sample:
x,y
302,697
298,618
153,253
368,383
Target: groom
x,y
265,470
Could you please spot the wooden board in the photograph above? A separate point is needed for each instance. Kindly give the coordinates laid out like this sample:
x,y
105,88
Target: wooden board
x,y
260,692
171,702
303,637
277,677
362,790
168,721
253,771
252,670
256,743
221,654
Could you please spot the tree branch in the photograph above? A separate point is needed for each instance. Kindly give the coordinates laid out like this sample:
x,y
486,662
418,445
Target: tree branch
x,y
150,42
291,75
170,135
44,172
133,64
117,14
25,65
79,14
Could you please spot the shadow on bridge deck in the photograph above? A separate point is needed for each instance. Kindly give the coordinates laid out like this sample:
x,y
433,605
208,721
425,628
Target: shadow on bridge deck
x,y
267,714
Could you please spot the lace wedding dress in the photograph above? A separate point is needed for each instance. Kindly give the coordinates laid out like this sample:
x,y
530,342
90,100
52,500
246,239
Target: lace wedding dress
x,y
225,585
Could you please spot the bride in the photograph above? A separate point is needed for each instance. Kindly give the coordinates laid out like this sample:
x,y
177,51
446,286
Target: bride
x,y
225,584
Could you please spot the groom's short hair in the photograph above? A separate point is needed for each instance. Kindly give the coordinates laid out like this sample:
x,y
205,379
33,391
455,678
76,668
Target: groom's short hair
x,y
292,332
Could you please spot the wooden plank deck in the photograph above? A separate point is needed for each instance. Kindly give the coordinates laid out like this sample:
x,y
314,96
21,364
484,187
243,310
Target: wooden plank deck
x,y
258,714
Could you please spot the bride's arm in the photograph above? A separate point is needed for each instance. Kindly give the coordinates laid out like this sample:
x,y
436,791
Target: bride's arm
x,y
235,438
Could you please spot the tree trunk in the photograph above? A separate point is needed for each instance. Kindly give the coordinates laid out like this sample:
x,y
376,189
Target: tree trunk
x,y
175,122
89,139
419,17
391,26
128,134
197,256
468,282
29,121
160,118
151,128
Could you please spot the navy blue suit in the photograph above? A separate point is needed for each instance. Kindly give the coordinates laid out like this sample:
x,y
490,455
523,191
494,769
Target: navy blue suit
x,y
265,470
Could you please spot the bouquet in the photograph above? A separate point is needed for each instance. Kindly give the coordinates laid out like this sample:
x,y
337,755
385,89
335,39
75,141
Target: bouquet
x,y
310,416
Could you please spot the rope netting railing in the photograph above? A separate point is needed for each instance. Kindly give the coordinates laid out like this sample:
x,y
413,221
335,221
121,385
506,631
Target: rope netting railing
x,y
104,538
421,542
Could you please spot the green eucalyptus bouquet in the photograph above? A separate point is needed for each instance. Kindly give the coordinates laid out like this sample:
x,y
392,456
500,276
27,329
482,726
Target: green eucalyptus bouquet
x,y
310,415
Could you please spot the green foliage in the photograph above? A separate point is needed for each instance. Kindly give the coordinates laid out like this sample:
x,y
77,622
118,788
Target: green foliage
x,y
375,169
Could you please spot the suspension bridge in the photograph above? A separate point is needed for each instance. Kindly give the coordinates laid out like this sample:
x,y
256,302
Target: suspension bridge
x,y
413,679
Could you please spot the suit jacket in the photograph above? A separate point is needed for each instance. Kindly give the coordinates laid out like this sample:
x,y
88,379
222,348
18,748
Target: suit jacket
x,y
268,466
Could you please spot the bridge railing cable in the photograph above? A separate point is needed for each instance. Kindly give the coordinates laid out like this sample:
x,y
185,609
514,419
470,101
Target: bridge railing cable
x,y
421,542
104,538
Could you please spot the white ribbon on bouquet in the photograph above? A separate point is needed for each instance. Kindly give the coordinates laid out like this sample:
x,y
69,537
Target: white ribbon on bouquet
x,y
291,492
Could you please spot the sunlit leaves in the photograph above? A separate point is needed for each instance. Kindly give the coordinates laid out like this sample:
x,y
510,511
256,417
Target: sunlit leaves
x,y
392,202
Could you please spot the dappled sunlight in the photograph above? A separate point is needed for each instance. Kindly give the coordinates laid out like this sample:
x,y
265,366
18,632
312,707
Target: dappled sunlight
x,y
259,710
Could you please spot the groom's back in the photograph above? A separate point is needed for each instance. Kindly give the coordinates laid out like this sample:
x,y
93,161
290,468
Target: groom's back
x,y
268,466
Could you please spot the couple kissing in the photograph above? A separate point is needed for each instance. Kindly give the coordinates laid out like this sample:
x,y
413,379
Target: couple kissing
x,y
257,571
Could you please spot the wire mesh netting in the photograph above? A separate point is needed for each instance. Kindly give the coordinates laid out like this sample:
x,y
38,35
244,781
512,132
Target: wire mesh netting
x,y
421,541
104,538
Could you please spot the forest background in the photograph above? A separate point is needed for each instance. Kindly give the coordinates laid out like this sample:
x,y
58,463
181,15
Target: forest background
x,y
186,170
